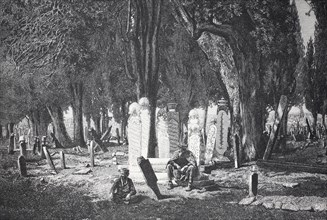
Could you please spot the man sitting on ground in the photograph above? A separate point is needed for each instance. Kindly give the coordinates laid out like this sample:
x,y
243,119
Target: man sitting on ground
x,y
123,188
182,166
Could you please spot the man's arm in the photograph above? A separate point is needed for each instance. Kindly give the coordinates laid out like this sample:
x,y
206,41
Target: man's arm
x,y
131,187
114,187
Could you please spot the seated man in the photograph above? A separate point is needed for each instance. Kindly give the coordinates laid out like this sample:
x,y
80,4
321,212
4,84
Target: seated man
x,y
182,166
123,188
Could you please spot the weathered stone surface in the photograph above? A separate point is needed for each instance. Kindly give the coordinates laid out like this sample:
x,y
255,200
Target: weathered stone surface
x,y
83,172
278,205
319,207
247,201
291,185
268,205
290,206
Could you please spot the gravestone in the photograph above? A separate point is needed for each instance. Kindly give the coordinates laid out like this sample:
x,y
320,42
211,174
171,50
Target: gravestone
x,y
91,149
44,144
22,144
212,113
11,146
35,147
211,140
134,134
194,135
145,125
62,160
22,165
253,182
149,175
223,124
49,160
162,134
173,128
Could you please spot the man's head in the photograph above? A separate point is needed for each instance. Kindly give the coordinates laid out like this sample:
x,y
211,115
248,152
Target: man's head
x,y
182,146
124,172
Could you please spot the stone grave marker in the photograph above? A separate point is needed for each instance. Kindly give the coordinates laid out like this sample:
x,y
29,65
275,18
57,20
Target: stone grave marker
x,y
173,128
35,145
134,134
253,182
49,160
11,146
22,144
91,149
211,113
162,134
145,125
22,165
194,135
211,140
62,160
44,144
223,124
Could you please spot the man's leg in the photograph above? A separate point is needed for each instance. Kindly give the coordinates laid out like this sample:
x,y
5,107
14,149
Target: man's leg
x,y
170,173
190,175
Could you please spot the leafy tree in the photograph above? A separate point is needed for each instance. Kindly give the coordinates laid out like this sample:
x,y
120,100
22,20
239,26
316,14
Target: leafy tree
x,y
247,31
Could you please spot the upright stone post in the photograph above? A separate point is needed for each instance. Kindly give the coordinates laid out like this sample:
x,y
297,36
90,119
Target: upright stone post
x,y
44,144
253,182
194,135
22,145
35,145
223,124
145,124
11,146
162,134
92,154
22,165
173,127
62,160
134,136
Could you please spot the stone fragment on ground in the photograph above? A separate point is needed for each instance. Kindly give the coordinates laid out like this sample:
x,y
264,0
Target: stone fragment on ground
x,y
291,203
290,185
82,172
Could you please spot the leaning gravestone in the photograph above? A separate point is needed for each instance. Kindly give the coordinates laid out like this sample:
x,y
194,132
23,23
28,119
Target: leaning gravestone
x,y
134,135
162,134
49,160
145,125
194,135
22,165
223,124
173,128
211,140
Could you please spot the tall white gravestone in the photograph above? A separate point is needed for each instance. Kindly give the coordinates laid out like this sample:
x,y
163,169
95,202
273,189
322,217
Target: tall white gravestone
x,y
162,134
211,140
194,135
173,127
145,123
134,134
212,113
223,124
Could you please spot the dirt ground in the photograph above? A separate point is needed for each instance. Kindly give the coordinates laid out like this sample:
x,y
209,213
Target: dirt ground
x,y
66,195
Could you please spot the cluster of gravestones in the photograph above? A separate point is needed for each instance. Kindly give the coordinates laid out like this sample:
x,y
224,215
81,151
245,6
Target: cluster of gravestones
x,y
42,150
206,142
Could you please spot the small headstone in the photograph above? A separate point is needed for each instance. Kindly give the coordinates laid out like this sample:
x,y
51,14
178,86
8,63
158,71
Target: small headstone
x,y
22,165
44,144
49,160
62,160
253,182
92,155
22,144
11,146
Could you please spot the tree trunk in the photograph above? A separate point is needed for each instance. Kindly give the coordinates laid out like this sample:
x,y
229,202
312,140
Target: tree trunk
x,y
314,124
124,120
77,106
57,117
152,135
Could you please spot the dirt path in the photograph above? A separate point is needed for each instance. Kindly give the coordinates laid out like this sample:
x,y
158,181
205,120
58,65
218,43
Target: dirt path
x,y
44,195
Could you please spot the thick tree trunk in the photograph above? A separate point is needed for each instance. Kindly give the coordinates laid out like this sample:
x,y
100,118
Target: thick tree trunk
x,y
77,106
57,117
152,135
